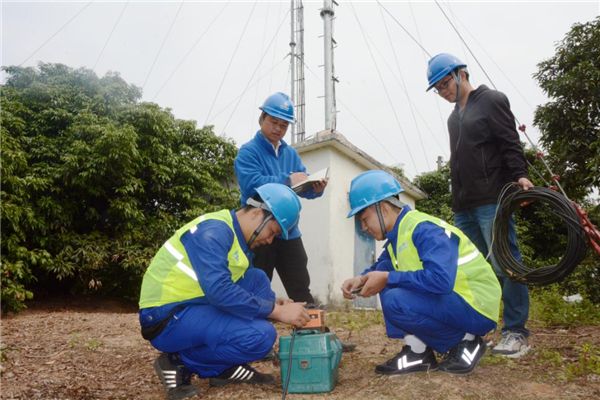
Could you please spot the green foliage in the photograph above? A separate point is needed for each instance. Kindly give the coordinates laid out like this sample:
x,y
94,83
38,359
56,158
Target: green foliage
x,y
550,308
437,186
550,358
93,344
588,362
93,181
570,122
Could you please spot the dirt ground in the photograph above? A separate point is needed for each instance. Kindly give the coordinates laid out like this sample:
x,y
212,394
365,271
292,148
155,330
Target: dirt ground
x,y
76,350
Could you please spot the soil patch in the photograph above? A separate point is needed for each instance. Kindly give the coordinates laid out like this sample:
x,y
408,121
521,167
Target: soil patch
x,y
93,350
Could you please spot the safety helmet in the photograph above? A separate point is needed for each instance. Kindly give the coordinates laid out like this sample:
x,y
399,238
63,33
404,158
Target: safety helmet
x,y
441,65
371,187
283,203
279,105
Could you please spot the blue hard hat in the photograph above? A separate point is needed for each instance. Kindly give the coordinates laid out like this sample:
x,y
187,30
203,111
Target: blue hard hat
x,y
371,187
283,203
441,65
279,105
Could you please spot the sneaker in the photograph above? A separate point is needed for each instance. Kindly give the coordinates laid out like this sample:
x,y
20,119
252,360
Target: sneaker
x,y
464,357
512,344
242,374
407,361
175,377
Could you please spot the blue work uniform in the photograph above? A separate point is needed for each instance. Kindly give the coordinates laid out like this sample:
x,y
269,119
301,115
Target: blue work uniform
x,y
422,302
227,325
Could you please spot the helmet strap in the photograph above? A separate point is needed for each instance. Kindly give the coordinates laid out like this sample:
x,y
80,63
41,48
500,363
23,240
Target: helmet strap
x,y
380,217
257,204
260,228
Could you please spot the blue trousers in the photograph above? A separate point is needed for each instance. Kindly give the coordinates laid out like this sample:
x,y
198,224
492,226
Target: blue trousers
x,y
440,321
477,224
209,340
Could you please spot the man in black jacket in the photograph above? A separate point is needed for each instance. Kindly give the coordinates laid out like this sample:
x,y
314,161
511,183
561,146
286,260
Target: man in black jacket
x,y
485,155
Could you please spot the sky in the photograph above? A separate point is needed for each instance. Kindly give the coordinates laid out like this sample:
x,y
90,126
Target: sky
x,y
215,62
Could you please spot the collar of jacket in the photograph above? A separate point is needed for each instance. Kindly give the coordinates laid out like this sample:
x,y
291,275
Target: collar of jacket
x,y
474,96
260,138
392,235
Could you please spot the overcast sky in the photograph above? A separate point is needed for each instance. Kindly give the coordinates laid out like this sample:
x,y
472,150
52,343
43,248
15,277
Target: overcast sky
x,y
215,62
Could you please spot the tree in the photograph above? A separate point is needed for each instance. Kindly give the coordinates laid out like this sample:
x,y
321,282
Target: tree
x,y
439,199
93,181
570,122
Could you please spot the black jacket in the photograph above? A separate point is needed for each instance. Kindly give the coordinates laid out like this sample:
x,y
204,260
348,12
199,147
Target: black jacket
x,y
485,151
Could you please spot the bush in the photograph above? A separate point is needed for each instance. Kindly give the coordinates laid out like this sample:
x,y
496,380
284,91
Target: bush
x,y
93,181
550,308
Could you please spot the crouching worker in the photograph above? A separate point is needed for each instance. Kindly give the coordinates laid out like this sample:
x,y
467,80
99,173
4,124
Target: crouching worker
x,y
203,305
436,289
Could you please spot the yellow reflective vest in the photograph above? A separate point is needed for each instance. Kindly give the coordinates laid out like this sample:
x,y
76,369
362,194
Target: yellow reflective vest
x,y
170,277
475,280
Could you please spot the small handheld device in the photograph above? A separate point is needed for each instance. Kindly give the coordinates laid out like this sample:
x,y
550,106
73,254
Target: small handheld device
x,y
356,290
317,320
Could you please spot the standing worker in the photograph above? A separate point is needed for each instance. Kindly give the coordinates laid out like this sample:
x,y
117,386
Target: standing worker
x,y
202,304
436,289
485,155
268,158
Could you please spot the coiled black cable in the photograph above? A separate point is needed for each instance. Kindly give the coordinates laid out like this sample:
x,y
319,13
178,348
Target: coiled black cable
x,y
510,200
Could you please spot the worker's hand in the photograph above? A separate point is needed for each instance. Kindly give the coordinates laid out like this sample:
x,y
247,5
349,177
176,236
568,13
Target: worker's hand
x,y
352,284
525,183
281,301
375,282
319,186
290,313
297,177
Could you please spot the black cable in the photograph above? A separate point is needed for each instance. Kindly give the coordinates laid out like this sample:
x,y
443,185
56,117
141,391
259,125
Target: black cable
x,y
510,200
289,368
110,35
57,32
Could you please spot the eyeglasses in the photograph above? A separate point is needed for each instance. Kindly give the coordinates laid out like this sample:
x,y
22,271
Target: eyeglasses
x,y
443,84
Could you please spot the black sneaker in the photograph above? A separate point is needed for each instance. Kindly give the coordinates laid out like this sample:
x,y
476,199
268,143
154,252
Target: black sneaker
x,y
463,357
175,377
242,374
407,361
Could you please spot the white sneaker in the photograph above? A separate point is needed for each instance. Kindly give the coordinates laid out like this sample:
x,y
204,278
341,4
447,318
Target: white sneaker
x,y
512,345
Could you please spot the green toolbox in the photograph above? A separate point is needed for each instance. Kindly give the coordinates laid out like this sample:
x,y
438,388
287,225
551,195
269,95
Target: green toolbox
x,y
315,360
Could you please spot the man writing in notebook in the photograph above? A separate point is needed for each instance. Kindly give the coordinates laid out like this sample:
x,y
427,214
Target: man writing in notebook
x,y
268,158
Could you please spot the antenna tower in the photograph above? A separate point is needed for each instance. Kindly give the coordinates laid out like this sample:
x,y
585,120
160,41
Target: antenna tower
x,y
327,14
297,69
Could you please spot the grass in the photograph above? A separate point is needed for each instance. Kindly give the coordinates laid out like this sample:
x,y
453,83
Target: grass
x,y
356,320
587,363
548,307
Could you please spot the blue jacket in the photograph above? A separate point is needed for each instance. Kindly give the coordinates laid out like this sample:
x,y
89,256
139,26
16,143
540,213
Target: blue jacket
x,y
257,164
207,249
438,253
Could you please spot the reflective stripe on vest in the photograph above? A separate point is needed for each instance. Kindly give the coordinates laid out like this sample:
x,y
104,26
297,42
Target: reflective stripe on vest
x,y
475,279
187,270
170,277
